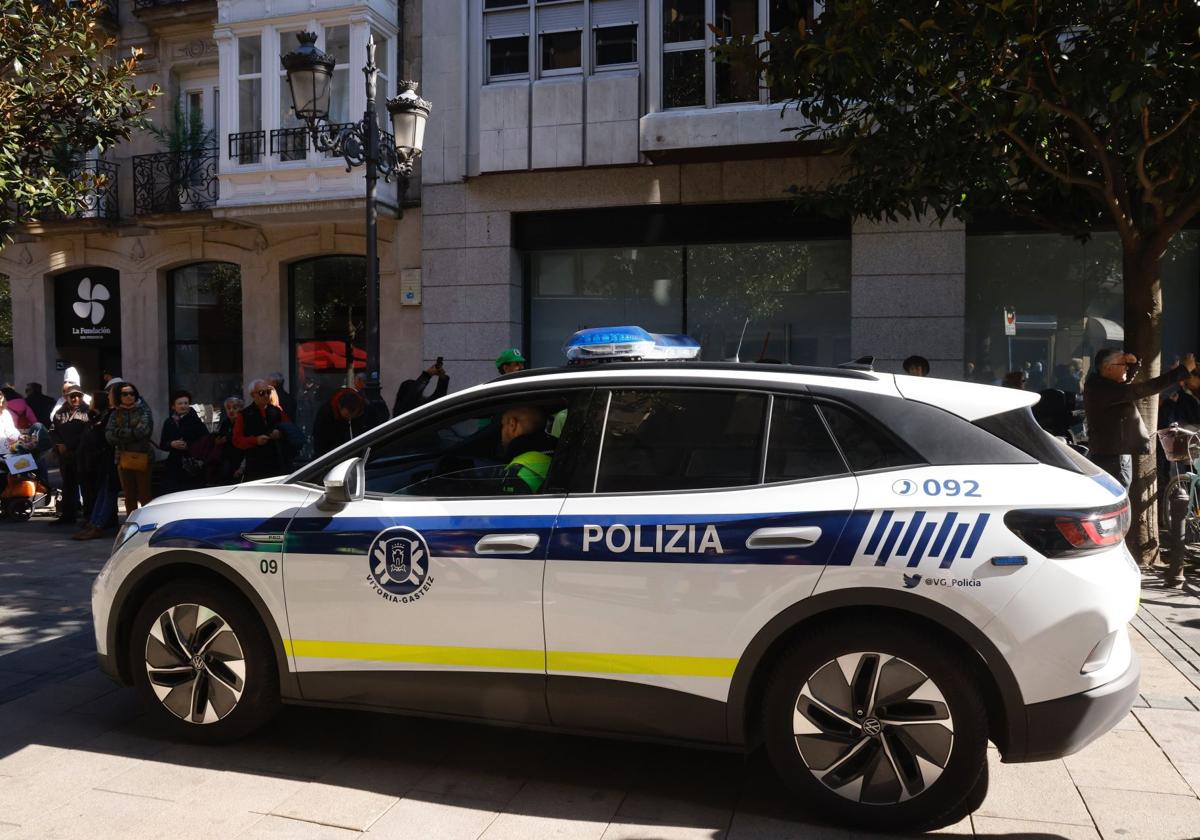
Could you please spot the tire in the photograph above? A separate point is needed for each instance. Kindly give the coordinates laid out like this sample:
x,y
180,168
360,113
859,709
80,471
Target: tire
x,y
203,662
863,769
19,510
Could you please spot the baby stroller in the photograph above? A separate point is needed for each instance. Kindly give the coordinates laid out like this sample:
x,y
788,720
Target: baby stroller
x,y
20,494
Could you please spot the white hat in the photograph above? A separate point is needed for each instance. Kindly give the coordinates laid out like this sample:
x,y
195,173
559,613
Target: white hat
x,y
116,380
71,375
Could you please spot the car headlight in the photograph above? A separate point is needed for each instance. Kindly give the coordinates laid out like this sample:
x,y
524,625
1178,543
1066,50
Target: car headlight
x,y
128,530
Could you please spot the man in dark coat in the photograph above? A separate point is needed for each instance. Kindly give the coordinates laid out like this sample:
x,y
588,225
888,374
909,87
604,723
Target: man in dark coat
x,y
42,405
343,417
67,432
257,432
1115,429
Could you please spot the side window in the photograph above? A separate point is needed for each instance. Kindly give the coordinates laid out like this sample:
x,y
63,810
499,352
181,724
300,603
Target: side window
x,y
866,446
800,445
681,440
493,449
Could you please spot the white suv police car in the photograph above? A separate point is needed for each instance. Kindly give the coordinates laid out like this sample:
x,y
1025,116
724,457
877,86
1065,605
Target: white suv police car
x,y
870,575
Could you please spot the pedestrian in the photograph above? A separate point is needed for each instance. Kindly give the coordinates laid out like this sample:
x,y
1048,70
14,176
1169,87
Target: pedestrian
x,y
98,470
228,457
42,405
916,366
22,414
130,431
259,434
285,400
343,417
1115,429
70,379
186,441
411,393
68,430
1015,379
510,361
1181,405
10,435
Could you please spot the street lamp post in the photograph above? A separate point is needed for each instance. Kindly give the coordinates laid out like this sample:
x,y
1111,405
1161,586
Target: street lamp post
x,y
309,72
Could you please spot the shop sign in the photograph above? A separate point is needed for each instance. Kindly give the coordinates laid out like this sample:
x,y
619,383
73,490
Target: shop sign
x,y
87,308
1010,322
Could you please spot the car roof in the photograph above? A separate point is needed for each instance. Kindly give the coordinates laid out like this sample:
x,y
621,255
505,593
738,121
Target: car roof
x,y
968,400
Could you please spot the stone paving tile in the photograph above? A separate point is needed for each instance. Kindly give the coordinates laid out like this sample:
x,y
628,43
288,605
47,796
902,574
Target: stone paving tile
x,y
1043,791
467,783
353,794
548,809
56,783
432,817
281,828
1145,816
1129,723
1178,703
749,826
650,831
1125,761
1031,829
93,815
1159,677
647,807
1190,770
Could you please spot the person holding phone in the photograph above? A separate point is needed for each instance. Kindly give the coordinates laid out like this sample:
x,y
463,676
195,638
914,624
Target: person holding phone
x,y
411,393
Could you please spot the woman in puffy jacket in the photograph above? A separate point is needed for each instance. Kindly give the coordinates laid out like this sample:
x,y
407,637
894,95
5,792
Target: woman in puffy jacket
x,y
130,431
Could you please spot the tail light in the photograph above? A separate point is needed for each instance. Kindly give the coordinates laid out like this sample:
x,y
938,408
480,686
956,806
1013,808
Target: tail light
x,y
1070,533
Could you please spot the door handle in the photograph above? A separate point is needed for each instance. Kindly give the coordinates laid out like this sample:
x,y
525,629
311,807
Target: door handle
x,y
784,537
507,544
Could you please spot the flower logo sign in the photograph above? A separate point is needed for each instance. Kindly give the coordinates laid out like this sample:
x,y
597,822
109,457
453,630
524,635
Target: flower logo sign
x,y
90,306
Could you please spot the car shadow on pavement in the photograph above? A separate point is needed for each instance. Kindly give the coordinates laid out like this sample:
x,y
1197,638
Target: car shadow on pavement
x,y
73,733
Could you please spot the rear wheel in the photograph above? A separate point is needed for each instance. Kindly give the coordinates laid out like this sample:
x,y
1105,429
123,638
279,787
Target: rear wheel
x,y
18,509
203,662
878,726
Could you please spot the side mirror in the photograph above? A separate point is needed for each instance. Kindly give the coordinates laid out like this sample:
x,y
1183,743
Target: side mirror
x,y
344,483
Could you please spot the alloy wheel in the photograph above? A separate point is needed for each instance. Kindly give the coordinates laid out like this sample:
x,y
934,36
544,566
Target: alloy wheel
x,y
873,728
195,663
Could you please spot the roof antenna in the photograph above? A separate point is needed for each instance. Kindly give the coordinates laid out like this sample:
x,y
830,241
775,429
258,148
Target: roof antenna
x,y
737,354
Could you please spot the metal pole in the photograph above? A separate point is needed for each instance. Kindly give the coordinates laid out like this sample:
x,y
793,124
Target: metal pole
x,y
373,396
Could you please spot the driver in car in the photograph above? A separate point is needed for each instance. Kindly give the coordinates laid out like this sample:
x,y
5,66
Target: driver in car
x,y
527,447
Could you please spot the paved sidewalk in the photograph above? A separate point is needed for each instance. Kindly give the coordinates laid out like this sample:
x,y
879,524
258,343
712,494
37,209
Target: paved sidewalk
x,y
78,759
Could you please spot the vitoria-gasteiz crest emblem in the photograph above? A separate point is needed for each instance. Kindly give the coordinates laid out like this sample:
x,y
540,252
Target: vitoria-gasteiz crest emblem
x,y
399,565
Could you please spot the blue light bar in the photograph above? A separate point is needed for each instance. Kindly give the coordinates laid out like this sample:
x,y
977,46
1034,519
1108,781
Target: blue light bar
x,y
629,343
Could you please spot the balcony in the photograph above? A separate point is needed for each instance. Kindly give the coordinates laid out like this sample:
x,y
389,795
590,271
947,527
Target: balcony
x,y
175,182
99,202
247,147
156,13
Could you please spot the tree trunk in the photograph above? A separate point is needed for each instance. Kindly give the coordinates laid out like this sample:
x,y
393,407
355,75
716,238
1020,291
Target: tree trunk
x,y
1143,338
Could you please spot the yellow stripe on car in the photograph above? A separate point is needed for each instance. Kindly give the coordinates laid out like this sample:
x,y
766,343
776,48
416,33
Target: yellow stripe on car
x,y
524,660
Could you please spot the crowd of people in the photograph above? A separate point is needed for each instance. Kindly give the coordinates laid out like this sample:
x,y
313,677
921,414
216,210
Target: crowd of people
x,y
106,444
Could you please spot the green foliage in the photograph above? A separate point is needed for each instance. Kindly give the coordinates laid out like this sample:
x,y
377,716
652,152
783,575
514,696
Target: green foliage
x,y
186,133
62,87
1076,114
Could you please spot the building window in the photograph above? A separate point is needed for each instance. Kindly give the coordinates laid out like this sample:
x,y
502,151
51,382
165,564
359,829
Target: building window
x,y
782,301
6,330
383,89
204,302
337,46
328,334
249,98
1068,298
560,46
616,45
691,77
291,141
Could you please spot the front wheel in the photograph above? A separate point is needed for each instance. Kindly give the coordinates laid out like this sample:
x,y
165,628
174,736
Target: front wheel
x,y
203,662
878,726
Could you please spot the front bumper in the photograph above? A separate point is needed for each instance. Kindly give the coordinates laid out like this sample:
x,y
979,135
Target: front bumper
x,y
1065,725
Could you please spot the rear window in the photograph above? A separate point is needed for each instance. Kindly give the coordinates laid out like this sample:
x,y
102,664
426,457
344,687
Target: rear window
x,y
670,439
800,446
865,445
1019,428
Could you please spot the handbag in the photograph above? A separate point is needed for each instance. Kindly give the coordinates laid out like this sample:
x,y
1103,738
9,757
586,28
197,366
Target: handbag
x,y
134,461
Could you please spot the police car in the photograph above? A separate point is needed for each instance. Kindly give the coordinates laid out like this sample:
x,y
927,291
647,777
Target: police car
x,y
871,576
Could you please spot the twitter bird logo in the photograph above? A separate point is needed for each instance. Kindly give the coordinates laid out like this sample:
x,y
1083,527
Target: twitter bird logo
x,y
911,581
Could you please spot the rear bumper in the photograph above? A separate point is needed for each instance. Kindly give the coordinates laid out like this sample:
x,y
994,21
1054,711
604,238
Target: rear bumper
x,y
1066,725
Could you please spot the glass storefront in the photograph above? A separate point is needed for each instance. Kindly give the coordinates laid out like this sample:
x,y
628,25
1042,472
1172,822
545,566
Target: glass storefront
x,y
328,332
791,299
1068,298
6,332
205,328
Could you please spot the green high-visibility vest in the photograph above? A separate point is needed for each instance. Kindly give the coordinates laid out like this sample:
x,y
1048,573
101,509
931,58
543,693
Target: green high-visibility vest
x,y
531,468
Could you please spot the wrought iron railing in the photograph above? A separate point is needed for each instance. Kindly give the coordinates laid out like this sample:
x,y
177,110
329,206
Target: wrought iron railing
x,y
289,143
99,202
247,146
172,182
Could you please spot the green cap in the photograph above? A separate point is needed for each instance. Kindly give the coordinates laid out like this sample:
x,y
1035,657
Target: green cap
x,y
512,354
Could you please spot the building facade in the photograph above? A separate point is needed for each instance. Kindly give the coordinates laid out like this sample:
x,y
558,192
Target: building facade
x,y
587,162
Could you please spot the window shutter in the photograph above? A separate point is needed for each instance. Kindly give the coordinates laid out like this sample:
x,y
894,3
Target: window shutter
x,y
560,18
506,24
614,12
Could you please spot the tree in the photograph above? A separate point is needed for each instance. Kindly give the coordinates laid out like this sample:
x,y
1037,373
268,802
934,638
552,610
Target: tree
x,y
1078,115
61,93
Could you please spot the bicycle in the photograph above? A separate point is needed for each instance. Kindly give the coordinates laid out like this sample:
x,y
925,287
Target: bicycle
x,y
1181,446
